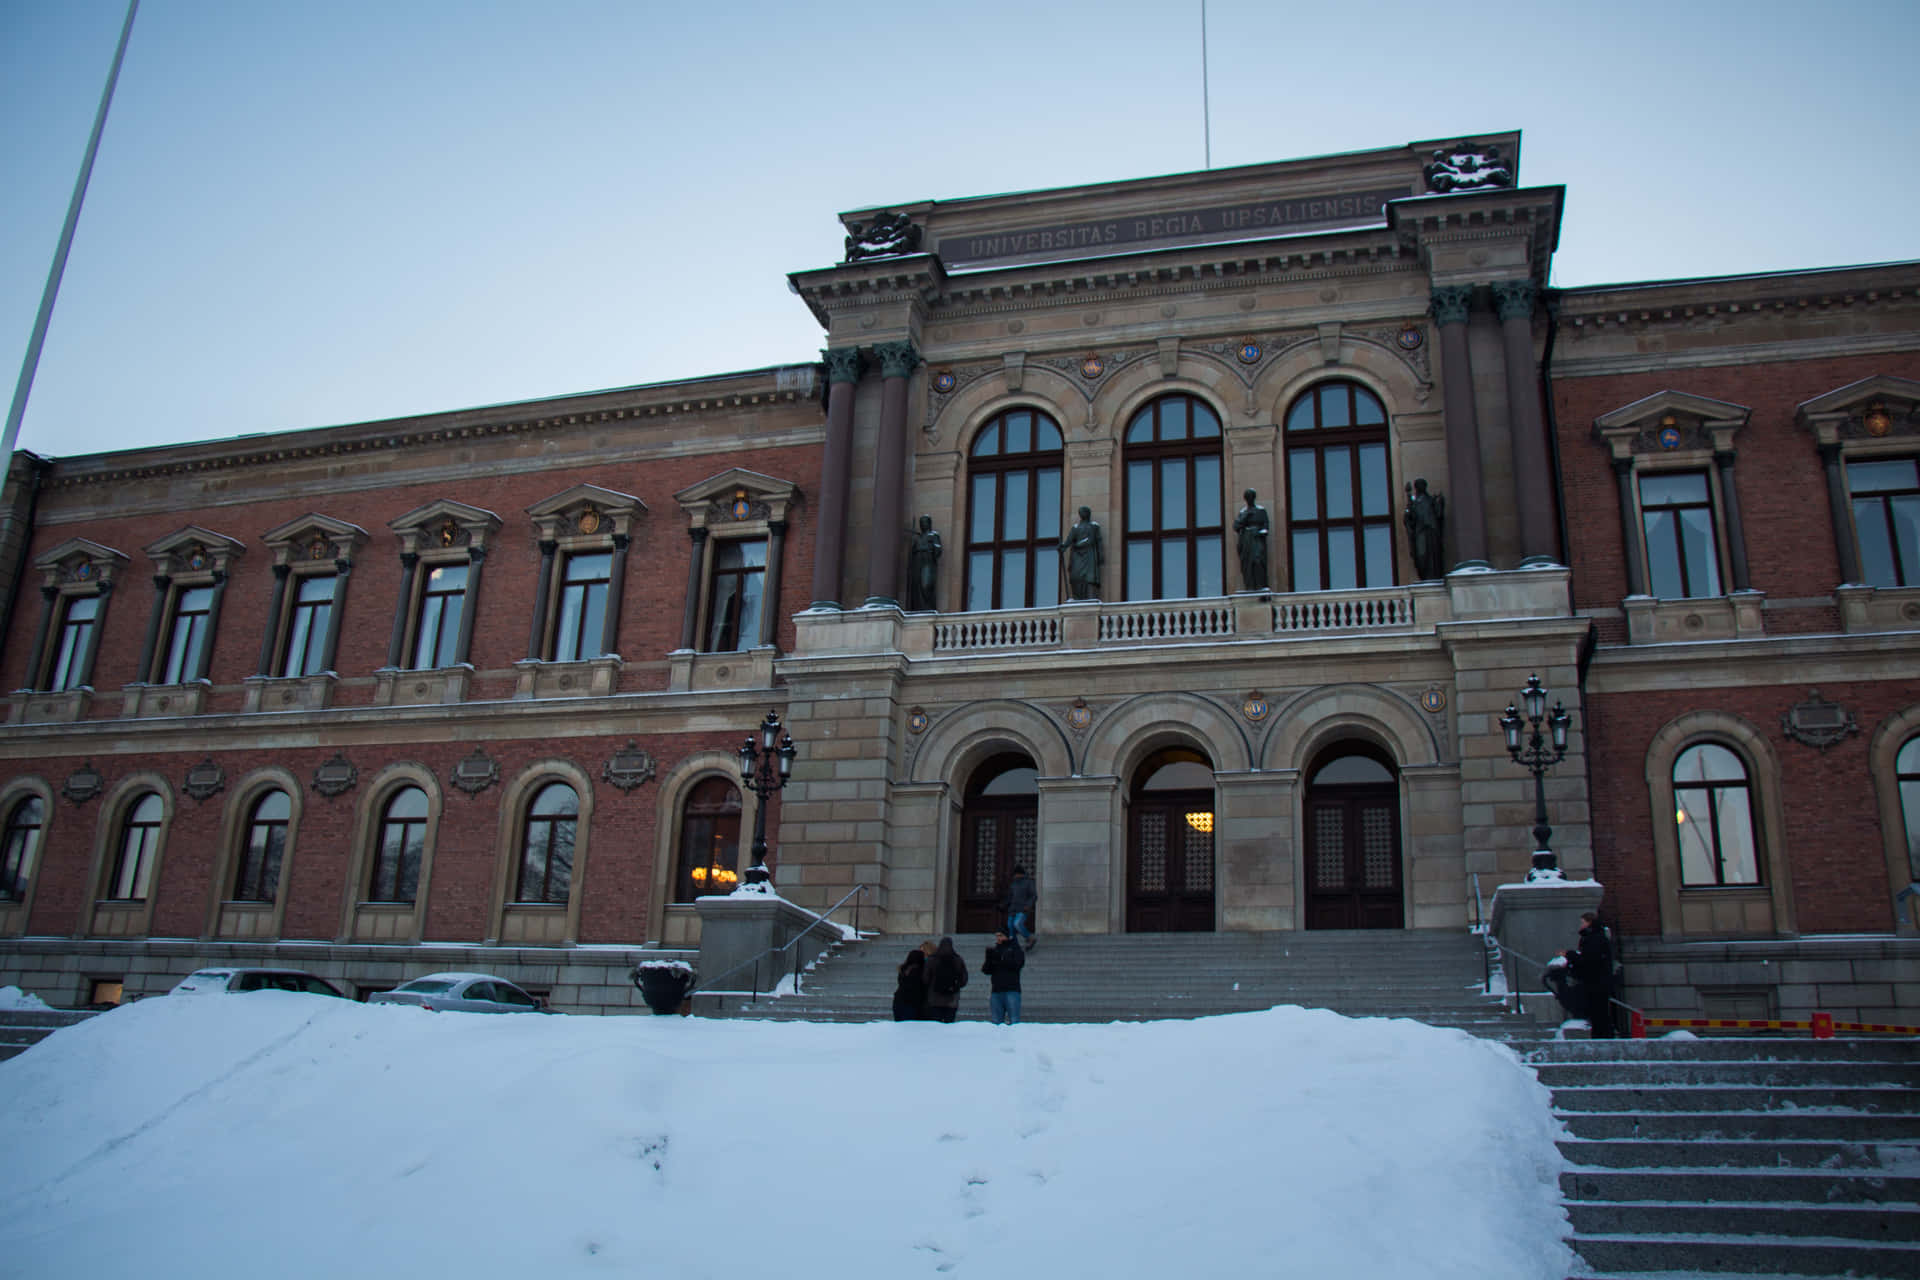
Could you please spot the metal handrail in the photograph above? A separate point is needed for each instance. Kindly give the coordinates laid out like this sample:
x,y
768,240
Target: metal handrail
x,y
1486,961
787,946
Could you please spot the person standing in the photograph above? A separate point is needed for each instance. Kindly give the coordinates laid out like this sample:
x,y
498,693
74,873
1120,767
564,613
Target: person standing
x,y
1022,896
910,990
1005,959
946,975
1592,966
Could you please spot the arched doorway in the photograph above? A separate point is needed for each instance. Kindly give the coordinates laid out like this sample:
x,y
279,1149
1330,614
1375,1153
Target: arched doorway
x,y
1170,844
1353,840
999,830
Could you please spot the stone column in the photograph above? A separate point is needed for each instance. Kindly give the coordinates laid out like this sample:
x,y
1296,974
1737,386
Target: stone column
x,y
160,584
1730,504
1630,529
1842,513
1532,472
830,534
536,639
770,600
396,643
275,603
690,619
1466,504
897,361
616,596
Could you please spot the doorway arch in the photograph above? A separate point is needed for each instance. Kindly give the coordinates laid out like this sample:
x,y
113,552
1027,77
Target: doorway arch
x,y
1170,814
1354,876
999,831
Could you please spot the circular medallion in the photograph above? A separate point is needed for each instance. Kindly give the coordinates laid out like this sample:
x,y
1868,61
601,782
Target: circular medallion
x,y
1410,338
1255,707
1879,421
1092,367
741,508
589,520
1669,437
1434,699
83,571
1079,716
197,559
1250,353
944,381
317,549
917,721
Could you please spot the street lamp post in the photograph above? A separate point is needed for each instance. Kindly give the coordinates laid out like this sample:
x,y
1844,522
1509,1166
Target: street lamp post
x,y
764,772
1538,754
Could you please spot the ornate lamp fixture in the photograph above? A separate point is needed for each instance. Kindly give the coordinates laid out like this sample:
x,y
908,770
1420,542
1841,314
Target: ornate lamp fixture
x,y
764,772
1538,755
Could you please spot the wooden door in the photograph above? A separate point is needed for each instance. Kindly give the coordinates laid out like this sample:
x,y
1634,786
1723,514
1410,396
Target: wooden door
x,y
1353,858
1170,863
995,836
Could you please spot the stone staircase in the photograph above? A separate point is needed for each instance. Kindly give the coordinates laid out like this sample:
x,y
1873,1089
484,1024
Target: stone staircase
x,y
21,1029
1431,975
1776,1157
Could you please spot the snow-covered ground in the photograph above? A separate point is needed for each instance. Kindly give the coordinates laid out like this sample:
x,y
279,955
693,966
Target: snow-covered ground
x,y
232,1137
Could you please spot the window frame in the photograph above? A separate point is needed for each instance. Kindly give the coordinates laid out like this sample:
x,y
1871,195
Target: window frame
x,y
585,520
1713,808
149,829
1157,537
531,819
437,536
735,505
20,843
306,549
1905,575
191,560
1710,503
78,570
751,579
268,858
1039,547
378,852
1356,439
715,813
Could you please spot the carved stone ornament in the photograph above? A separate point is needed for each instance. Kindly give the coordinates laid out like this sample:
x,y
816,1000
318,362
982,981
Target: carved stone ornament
x,y
917,720
336,777
1255,707
1467,166
475,773
629,767
204,780
882,236
1817,722
1079,715
83,784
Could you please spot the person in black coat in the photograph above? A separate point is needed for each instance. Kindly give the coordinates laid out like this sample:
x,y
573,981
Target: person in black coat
x,y
946,974
910,992
1005,959
1592,965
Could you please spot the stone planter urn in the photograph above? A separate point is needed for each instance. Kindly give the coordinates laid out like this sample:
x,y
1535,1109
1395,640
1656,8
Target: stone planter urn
x,y
663,983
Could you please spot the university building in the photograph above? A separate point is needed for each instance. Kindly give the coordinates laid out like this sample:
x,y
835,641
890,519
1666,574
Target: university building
x,y
1184,539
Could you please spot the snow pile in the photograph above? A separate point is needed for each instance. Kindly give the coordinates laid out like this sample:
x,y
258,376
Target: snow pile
x,y
306,1137
15,998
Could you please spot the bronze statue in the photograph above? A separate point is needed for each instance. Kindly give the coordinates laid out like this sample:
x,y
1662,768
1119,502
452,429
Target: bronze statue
x,y
1426,521
923,566
1085,556
1250,531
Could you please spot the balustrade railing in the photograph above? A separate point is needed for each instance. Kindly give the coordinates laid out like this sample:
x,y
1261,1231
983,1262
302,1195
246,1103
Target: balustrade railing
x,y
1184,620
1031,629
1371,611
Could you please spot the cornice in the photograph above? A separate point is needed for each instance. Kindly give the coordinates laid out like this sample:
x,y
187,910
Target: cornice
x,y
1674,301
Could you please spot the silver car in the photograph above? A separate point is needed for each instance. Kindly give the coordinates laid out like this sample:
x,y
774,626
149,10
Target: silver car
x,y
202,981
462,993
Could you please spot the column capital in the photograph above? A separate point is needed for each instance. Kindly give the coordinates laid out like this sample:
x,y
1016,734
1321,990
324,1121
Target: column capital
x,y
1449,304
897,359
843,364
1623,466
697,533
1514,299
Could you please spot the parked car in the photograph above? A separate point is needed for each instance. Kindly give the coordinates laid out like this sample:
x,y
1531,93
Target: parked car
x,y
203,981
462,993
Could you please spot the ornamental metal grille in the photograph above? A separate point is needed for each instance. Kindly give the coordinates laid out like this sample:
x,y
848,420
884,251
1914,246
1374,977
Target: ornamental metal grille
x,y
1197,867
1026,839
1153,853
1329,849
986,845
1377,848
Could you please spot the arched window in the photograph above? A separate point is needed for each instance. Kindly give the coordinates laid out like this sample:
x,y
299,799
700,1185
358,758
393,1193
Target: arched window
x,y
1339,508
546,845
709,841
403,840
1013,513
1906,767
258,876
1713,809
1175,544
139,844
18,846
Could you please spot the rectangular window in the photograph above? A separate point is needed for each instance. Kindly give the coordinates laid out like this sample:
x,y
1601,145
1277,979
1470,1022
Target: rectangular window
x,y
188,638
443,595
306,651
581,625
734,603
1676,513
1886,516
76,633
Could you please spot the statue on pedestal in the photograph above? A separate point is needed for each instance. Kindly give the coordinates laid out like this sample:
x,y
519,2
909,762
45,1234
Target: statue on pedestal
x,y
1085,555
923,566
1426,521
1250,531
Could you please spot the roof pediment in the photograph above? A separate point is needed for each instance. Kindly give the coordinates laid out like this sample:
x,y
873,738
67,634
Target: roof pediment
x,y
1662,403
1854,395
195,536
74,550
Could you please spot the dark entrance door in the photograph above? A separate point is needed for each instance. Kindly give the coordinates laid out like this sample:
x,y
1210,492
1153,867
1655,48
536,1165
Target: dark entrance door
x,y
1170,863
999,830
1353,847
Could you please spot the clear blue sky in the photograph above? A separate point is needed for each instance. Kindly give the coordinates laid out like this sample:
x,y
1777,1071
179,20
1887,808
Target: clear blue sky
x,y
314,213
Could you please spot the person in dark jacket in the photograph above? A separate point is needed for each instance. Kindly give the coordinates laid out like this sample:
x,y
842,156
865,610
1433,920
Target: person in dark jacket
x,y
946,974
1005,958
1022,896
910,992
1592,966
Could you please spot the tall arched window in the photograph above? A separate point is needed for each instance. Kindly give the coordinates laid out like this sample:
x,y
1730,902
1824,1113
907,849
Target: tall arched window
x,y
1339,506
1906,767
1175,547
709,859
18,846
1713,809
1013,513
403,841
258,876
546,845
139,845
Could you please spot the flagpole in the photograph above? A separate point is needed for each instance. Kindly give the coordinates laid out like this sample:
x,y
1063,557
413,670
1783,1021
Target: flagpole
x,y
1206,94
25,386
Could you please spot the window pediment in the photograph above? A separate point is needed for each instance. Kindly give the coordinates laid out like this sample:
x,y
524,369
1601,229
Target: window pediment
x,y
445,525
194,553
737,496
586,511
1670,422
314,538
1872,408
80,564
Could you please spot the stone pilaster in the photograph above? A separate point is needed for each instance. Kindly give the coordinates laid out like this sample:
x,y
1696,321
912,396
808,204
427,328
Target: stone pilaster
x,y
1466,503
830,533
1533,480
897,362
